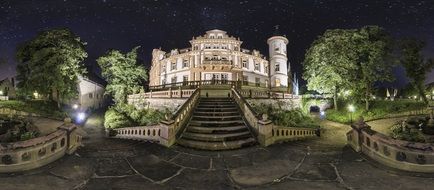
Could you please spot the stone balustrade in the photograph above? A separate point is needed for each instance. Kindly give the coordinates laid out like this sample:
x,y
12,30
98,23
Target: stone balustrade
x,y
171,127
145,133
403,155
265,131
293,133
37,152
249,93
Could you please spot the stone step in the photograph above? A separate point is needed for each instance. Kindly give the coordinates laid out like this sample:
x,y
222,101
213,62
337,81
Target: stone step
x,y
224,145
216,106
216,137
217,130
216,118
216,109
215,102
216,123
228,113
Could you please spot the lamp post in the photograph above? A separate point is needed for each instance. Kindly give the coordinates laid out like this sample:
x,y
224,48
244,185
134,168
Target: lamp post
x,y
351,108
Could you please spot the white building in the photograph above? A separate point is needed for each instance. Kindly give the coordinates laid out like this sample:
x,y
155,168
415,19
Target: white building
x,y
217,56
90,94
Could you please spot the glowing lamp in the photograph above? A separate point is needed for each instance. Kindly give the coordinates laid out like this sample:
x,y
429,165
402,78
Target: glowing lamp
x,y
81,116
351,108
1,93
75,106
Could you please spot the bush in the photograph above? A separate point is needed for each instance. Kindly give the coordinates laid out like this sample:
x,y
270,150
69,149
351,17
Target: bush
x,y
45,108
405,133
115,119
379,109
124,115
285,118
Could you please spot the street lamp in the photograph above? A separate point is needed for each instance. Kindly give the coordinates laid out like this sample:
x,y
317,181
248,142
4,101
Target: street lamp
x,y
1,92
351,108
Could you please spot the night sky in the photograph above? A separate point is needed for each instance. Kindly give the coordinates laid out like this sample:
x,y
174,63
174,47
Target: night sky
x,y
123,24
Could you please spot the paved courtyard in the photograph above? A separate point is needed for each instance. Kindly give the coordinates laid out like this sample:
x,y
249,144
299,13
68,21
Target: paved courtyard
x,y
323,163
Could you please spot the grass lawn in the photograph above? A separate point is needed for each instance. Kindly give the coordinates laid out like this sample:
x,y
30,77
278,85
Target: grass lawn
x,y
379,109
35,106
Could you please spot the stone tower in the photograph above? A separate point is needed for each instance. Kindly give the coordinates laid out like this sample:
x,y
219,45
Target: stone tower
x,y
278,62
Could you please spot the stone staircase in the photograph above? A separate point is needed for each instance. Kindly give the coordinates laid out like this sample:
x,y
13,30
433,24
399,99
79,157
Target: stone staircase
x,y
216,124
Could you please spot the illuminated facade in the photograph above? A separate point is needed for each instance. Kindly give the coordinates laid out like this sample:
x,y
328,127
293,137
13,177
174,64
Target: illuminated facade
x,y
217,56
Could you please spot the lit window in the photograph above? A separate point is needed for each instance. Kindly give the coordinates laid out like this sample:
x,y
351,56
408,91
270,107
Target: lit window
x,y
277,82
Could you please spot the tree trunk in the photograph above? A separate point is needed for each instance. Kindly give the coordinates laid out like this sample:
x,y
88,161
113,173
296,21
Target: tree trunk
x,y
367,96
335,99
58,99
421,90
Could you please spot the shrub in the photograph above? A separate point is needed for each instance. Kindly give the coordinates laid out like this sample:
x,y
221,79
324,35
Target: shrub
x,y
124,115
379,109
285,118
405,133
115,119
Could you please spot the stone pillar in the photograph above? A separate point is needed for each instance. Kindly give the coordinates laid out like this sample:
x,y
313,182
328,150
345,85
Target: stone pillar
x,y
355,137
180,92
265,128
167,133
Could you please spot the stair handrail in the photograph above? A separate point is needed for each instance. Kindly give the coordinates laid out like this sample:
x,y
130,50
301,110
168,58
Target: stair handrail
x,y
262,127
170,127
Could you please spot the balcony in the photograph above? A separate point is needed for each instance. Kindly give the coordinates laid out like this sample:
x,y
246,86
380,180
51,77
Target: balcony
x,y
217,62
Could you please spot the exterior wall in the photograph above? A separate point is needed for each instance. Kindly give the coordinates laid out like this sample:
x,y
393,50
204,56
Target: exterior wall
x,y
91,94
285,104
278,57
216,52
403,155
160,103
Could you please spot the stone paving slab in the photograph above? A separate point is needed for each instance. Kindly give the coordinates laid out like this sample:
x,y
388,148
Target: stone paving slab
x,y
324,163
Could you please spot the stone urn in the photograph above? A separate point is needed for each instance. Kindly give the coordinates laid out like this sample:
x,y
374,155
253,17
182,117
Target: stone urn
x,y
67,120
264,117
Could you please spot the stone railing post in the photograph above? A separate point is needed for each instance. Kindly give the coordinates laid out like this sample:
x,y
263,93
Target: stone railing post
x,y
265,128
167,133
170,92
71,143
150,94
180,92
355,137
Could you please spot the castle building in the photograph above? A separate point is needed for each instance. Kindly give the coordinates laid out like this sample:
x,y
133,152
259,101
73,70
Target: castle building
x,y
218,56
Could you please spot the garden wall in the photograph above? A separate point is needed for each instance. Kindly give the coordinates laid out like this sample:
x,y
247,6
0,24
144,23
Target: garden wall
x,y
403,155
37,152
286,104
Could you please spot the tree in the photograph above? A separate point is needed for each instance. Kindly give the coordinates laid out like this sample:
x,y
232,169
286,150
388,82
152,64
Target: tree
x,y
415,64
328,63
122,74
51,64
373,61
